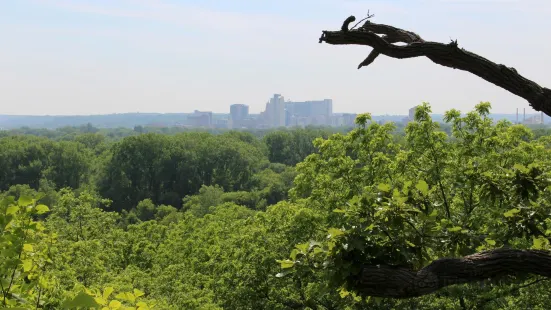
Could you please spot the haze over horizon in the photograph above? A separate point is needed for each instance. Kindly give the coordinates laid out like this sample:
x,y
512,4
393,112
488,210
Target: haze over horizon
x,y
68,57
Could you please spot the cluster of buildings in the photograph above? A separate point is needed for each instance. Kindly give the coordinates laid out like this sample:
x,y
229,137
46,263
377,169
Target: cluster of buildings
x,y
278,113
286,113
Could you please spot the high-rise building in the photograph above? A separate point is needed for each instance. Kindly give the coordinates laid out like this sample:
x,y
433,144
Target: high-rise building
x,y
274,116
238,114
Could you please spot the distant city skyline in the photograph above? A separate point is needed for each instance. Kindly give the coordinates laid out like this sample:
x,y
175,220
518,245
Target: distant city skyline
x,y
90,57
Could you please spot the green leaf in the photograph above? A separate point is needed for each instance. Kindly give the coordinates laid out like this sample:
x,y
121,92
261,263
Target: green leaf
x,y
303,247
100,301
25,201
12,210
82,300
423,187
318,250
27,265
138,293
343,292
490,241
294,253
28,247
41,209
454,229
519,167
539,243
511,212
115,304
383,187
334,232
107,292
286,263
126,296
337,210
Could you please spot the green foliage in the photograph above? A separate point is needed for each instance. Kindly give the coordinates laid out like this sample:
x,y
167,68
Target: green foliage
x,y
177,219
24,254
164,169
292,146
485,186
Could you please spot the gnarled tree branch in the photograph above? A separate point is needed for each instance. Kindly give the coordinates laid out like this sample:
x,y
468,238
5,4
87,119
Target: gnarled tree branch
x,y
448,55
399,282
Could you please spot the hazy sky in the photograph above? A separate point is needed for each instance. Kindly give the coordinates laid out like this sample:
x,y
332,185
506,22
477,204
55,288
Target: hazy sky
x,y
114,56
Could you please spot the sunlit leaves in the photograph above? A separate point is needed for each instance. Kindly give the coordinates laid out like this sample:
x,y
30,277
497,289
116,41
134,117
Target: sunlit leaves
x,y
11,210
334,232
25,201
540,243
478,186
423,187
80,300
27,265
384,187
41,209
24,252
511,212
115,304
286,263
454,229
123,300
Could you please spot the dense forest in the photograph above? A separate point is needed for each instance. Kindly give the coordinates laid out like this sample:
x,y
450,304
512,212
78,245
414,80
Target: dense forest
x,y
285,219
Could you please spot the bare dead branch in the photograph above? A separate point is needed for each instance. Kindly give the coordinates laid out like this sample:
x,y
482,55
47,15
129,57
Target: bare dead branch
x,y
398,282
448,55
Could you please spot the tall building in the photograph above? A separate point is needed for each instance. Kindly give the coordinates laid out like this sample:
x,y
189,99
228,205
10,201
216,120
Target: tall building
x,y
238,114
274,115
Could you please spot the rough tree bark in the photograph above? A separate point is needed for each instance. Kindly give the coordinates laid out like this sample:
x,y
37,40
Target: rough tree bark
x,y
398,282
448,55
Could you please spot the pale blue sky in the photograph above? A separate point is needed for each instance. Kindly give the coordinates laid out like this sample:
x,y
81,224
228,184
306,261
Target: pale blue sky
x,y
114,56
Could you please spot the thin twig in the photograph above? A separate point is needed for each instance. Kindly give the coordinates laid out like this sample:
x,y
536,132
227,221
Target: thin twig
x,y
366,18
